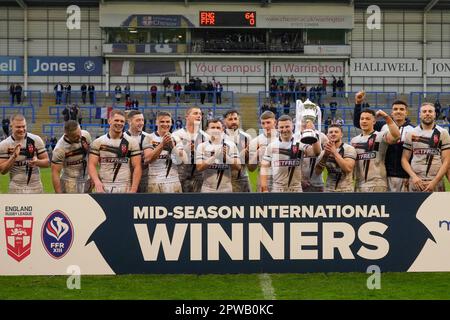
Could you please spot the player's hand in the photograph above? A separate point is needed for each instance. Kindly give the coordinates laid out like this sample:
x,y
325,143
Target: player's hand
x,y
167,140
330,148
381,113
99,187
418,183
33,162
264,189
359,97
16,151
429,187
305,184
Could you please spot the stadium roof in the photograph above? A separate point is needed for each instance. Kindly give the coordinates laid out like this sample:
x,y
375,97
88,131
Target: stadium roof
x,y
388,4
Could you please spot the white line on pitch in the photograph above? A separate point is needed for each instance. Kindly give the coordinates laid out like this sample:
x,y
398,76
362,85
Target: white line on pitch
x,y
266,286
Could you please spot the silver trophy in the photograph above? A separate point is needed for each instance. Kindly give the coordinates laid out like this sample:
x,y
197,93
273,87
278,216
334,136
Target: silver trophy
x,y
307,111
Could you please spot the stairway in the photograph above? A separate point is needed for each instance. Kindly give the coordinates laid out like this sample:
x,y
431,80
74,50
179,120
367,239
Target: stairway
x,y
248,107
42,116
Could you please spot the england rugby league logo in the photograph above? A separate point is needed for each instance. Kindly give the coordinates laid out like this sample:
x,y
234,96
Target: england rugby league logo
x,y
18,232
57,234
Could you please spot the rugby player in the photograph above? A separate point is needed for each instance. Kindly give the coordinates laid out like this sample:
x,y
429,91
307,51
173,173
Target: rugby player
x,y
69,160
189,138
162,157
239,177
311,181
216,158
259,144
118,156
22,154
429,146
284,156
339,159
397,177
136,133
371,146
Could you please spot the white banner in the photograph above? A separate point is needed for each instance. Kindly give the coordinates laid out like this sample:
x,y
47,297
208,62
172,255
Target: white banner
x,y
227,68
438,68
306,21
378,67
307,69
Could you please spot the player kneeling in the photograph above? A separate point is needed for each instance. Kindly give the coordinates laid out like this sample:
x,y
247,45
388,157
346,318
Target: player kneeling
x,y
339,159
216,158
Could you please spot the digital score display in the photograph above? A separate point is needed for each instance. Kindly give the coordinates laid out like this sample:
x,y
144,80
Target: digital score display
x,y
227,19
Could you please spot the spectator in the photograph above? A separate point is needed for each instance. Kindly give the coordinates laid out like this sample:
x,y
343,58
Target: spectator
x,y
273,108
334,85
127,91
219,90
312,94
151,120
58,92
153,91
339,121
166,84
118,93
12,93
273,92
68,93
74,112
167,93
265,106
333,109
83,89
135,104
177,89
340,86
179,123
66,113
280,84
438,109
324,85
210,90
202,93
210,115
128,104
91,90
5,125
319,91
18,92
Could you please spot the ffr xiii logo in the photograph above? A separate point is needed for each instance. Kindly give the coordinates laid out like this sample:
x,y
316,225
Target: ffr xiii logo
x,y
57,234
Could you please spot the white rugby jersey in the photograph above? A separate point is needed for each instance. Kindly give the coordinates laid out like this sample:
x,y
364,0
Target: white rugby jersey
x,y
242,141
309,163
165,168
370,170
73,156
189,142
139,139
426,147
21,174
114,157
217,177
338,181
285,160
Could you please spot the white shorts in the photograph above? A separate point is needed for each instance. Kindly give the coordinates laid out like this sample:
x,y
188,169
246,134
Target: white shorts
x,y
396,184
75,186
287,189
371,189
26,189
171,187
116,187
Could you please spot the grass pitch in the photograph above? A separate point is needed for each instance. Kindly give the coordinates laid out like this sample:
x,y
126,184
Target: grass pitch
x,y
223,287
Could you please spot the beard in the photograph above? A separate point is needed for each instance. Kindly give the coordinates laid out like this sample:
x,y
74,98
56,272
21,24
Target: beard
x,y
427,121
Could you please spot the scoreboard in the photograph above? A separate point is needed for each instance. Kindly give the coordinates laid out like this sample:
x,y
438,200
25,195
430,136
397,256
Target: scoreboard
x,y
227,19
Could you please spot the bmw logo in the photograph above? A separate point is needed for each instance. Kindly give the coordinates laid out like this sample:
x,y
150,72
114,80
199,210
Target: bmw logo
x,y
89,66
